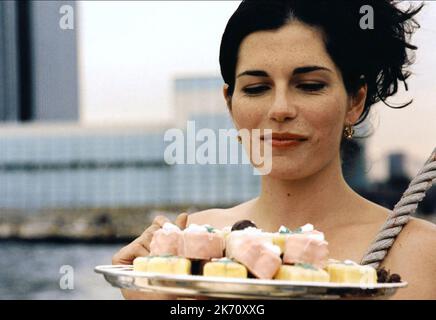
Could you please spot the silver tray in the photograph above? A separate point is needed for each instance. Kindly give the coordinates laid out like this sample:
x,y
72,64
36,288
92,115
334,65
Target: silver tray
x,y
122,276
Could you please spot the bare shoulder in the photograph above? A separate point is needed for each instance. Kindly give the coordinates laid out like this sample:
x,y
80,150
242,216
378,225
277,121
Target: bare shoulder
x,y
206,216
416,242
218,217
414,258
418,233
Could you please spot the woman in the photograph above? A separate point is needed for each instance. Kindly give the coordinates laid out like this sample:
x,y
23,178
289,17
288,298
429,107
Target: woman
x,y
310,71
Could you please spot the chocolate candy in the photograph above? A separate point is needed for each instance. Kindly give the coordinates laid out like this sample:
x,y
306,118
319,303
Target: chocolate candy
x,y
241,225
384,276
394,278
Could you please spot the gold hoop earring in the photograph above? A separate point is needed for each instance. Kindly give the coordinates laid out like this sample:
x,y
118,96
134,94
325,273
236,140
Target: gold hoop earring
x,y
349,132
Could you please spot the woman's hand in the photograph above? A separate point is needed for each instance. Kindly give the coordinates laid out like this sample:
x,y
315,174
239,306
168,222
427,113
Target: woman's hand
x,y
140,247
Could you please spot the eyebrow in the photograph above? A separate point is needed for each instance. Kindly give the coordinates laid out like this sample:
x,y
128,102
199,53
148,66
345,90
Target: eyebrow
x,y
300,70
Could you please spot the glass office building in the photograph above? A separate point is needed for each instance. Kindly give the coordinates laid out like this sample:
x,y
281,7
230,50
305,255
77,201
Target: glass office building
x,y
78,167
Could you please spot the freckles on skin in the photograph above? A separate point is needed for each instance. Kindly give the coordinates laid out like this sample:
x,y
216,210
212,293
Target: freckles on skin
x,y
271,51
318,115
329,123
247,116
327,127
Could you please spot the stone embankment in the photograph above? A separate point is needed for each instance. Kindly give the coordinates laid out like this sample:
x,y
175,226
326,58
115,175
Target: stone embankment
x,y
81,225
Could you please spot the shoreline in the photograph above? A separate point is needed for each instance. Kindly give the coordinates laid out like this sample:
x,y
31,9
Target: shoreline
x,y
82,225
103,226
67,240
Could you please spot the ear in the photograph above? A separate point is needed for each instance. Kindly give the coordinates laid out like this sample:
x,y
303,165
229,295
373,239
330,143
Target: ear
x,y
229,103
227,97
356,105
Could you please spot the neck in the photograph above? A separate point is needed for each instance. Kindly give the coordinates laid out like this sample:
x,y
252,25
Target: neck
x,y
323,199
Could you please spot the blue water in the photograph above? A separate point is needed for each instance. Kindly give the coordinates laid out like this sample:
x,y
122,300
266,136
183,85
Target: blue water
x,y
32,271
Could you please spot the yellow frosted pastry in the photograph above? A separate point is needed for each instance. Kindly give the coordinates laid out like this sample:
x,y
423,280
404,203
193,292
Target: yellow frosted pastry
x,y
302,272
351,272
226,231
279,239
224,268
166,265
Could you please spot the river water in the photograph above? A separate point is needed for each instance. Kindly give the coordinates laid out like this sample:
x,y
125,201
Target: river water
x,y
33,271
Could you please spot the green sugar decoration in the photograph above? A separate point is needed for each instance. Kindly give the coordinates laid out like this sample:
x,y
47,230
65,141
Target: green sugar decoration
x,y
225,260
298,230
161,256
285,231
306,266
210,229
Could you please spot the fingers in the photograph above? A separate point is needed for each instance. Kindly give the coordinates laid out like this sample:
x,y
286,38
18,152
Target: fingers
x,y
127,254
181,220
140,247
135,295
147,235
160,221
145,238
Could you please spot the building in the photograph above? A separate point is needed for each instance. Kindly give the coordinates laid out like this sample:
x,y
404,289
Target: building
x,y
9,63
71,166
396,162
198,95
38,62
58,165
49,160
354,164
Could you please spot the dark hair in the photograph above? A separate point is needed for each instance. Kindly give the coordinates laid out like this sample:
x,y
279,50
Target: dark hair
x,y
379,54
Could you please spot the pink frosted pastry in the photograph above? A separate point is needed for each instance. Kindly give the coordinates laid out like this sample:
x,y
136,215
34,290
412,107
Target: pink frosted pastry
x,y
201,243
236,239
262,259
306,247
165,241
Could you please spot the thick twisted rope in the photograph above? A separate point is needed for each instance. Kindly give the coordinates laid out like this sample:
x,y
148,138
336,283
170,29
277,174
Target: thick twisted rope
x,y
401,213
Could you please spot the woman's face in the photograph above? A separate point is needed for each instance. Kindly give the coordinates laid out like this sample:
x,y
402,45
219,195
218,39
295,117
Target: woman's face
x,y
282,96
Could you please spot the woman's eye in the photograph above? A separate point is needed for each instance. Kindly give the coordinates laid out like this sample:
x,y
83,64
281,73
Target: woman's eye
x,y
255,90
312,86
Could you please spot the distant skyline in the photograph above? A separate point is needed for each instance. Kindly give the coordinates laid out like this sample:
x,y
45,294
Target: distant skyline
x,y
130,53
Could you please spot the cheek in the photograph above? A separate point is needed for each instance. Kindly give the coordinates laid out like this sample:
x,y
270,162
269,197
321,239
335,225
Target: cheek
x,y
325,117
327,122
247,115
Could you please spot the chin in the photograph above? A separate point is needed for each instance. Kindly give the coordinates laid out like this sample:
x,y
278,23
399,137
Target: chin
x,y
286,172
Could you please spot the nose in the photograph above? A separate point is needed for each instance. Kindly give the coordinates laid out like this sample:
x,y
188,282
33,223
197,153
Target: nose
x,y
282,109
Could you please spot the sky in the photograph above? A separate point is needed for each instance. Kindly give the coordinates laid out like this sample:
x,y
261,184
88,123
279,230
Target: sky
x,y
130,52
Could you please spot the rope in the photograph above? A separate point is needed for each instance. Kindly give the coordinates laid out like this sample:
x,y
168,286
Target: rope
x,y
401,213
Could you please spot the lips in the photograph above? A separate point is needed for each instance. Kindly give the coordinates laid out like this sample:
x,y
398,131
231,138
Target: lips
x,y
285,136
284,139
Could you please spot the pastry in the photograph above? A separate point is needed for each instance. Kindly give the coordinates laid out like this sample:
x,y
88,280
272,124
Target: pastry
x,y
308,246
201,243
351,272
163,264
243,224
279,238
236,240
165,241
302,272
248,251
224,268
261,259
